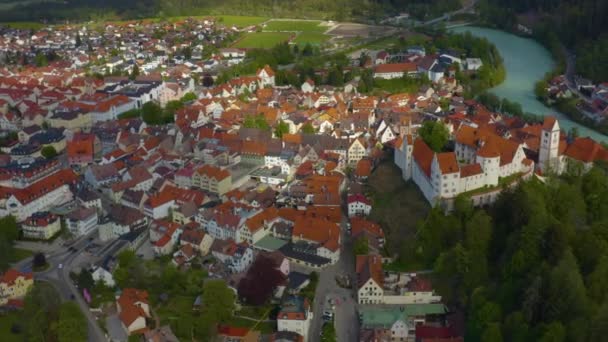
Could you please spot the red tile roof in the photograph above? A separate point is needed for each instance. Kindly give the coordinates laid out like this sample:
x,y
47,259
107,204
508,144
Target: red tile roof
x,y
423,155
12,274
44,186
586,150
369,266
447,162
395,68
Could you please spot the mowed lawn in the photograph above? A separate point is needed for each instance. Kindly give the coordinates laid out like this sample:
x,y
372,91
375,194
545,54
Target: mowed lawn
x,y
240,21
262,40
23,25
295,26
6,323
313,38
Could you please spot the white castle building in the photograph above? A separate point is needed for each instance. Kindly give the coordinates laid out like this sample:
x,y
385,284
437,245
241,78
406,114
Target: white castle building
x,y
483,162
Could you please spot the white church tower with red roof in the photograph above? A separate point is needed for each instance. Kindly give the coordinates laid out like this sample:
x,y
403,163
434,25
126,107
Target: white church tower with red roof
x,y
548,154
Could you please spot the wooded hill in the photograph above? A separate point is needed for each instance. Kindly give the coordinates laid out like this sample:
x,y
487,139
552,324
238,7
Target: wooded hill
x,y
365,10
579,24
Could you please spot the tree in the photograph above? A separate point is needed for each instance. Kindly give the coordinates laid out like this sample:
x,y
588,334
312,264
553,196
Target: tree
x,y
281,128
85,280
566,298
361,246
329,333
207,81
41,60
308,128
218,305
152,114
554,332
188,97
434,134
41,307
48,152
492,333
260,281
78,39
134,72
307,50
39,260
72,325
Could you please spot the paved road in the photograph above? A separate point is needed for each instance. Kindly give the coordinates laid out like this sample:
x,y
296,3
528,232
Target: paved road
x,y
467,8
345,317
60,279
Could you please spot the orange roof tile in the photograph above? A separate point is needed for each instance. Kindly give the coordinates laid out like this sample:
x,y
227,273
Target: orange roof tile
x,y
423,155
369,266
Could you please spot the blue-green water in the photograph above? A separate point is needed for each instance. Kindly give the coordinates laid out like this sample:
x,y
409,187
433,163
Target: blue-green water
x,y
526,62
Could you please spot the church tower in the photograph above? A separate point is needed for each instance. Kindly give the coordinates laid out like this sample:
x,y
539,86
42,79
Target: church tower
x,y
548,154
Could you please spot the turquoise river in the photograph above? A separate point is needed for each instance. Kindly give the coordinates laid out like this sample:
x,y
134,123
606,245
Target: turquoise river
x,y
526,62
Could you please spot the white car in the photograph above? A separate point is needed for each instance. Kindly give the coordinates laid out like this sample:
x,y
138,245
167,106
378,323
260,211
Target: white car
x,y
60,266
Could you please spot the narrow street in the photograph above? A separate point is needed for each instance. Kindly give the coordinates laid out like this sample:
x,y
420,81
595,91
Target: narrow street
x,y
60,263
345,316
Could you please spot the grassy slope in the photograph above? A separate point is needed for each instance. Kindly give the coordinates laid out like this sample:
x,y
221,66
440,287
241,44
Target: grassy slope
x,y
397,206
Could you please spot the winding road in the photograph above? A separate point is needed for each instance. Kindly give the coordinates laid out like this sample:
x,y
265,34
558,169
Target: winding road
x,y
58,275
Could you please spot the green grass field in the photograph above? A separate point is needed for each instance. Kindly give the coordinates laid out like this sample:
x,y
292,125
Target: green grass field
x,y
262,40
313,38
240,21
21,254
295,26
6,322
24,25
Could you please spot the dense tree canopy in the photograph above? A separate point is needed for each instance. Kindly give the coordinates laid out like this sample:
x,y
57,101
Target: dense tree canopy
x,y
48,152
434,134
9,232
580,25
532,267
261,280
72,325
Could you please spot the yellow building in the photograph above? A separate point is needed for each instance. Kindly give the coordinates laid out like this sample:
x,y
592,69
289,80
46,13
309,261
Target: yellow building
x,y
212,179
14,285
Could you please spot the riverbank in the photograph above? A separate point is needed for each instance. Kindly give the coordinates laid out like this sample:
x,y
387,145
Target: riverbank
x,y
565,65
523,72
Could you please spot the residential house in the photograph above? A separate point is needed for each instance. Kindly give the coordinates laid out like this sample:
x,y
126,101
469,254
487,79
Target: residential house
x,y
41,225
396,70
164,236
358,205
82,221
102,275
370,279
212,179
295,316
228,333
198,239
356,151
50,191
237,257
133,310
14,285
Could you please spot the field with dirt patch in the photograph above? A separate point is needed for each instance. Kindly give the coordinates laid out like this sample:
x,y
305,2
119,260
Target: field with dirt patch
x,y
262,40
357,30
295,26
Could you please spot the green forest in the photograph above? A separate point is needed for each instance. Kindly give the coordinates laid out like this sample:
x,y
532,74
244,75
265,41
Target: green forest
x,y
578,24
532,267
366,10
